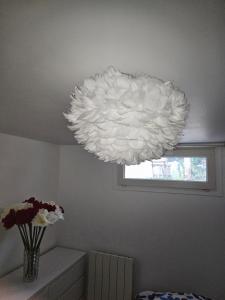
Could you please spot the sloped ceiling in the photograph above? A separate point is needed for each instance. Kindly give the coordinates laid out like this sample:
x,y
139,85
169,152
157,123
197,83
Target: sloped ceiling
x,y
47,46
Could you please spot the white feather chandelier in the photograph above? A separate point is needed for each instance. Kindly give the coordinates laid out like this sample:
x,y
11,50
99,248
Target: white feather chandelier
x,y
127,119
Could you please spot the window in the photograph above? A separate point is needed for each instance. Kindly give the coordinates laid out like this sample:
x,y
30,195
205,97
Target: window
x,y
192,168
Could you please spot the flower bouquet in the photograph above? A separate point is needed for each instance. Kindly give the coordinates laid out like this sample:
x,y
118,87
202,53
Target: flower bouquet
x,y
32,218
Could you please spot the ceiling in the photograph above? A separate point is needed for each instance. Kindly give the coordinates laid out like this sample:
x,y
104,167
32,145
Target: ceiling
x,y
47,46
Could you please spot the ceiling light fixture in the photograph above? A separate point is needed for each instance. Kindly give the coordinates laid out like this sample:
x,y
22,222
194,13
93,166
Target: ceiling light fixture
x,y
127,119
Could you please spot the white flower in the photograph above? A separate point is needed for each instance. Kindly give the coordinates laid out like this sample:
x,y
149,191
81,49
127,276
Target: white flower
x,y
54,216
51,203
59,213
45,217
41,218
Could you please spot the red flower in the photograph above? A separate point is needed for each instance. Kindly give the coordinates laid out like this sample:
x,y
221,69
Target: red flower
x,y
9,220
30,200
33,201
24,216
41,205
47,206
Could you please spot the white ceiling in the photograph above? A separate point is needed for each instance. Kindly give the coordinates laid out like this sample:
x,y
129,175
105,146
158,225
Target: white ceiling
x,y
47,46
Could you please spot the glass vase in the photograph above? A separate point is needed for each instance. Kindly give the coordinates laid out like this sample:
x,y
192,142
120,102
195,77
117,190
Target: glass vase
x,y
31,264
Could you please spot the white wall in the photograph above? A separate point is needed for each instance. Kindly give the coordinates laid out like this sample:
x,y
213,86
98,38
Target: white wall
x,y
178,240
27,168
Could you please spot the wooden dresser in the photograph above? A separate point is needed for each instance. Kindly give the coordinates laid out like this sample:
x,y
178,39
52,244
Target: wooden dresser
x,y
61,277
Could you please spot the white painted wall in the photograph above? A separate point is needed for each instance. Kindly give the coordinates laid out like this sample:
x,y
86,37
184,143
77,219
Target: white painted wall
x,y
27,168
178,240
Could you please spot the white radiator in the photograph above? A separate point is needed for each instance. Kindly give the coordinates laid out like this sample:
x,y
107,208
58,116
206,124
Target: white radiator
x,y
110,277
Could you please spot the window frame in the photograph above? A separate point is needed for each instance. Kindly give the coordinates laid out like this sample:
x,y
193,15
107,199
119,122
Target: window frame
x,y
208,152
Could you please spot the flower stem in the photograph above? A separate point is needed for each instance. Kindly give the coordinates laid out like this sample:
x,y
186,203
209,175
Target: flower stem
x,y
38,230
23,228
40,239
30,234
22,235
33,235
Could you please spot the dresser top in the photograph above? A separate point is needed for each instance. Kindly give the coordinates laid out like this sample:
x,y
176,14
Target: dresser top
x,y
51,265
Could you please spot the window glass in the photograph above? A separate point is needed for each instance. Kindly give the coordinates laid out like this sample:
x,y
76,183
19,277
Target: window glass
x,y
176,168
191,168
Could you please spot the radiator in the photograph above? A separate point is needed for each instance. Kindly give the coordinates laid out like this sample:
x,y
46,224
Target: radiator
x,y
110,277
